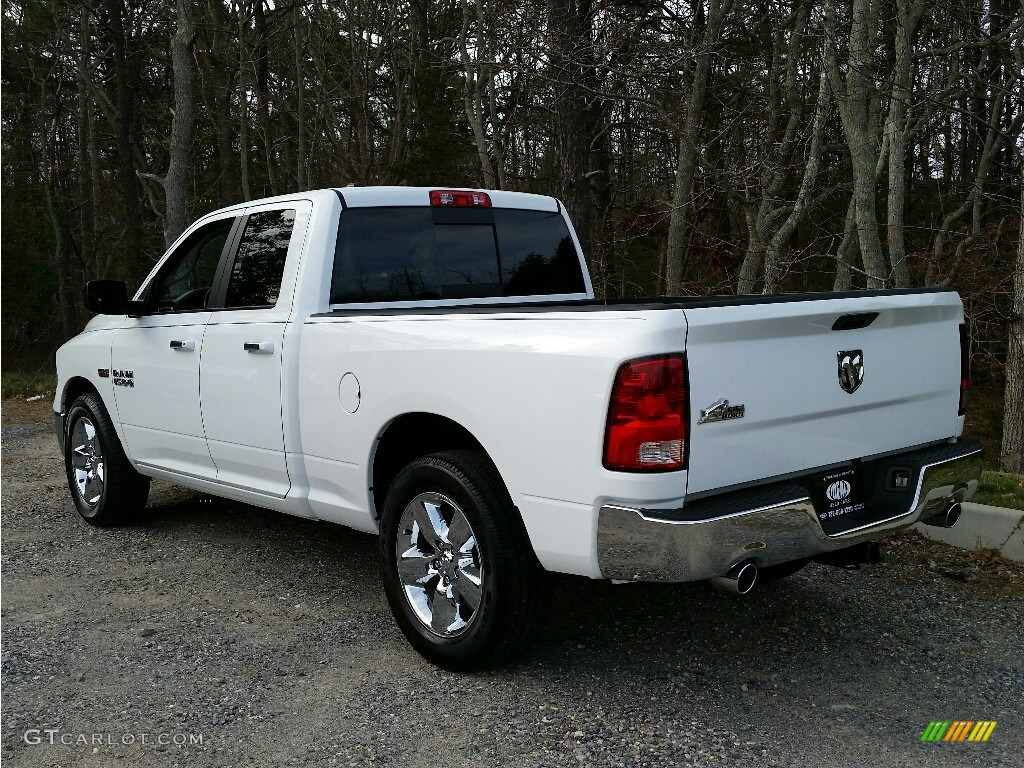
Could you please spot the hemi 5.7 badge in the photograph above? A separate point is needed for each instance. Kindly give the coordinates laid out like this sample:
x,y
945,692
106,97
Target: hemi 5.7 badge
x,y
722,411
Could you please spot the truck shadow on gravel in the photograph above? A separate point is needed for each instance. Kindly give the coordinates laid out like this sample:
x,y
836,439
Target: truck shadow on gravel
x,y
818,617
637,625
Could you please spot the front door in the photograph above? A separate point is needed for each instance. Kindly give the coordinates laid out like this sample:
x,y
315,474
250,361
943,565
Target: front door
x,y
155,361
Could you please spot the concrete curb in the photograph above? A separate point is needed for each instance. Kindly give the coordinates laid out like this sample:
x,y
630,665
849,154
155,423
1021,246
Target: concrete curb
x,y
984,527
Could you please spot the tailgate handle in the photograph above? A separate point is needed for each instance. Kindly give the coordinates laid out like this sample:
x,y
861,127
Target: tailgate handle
x,y
852,322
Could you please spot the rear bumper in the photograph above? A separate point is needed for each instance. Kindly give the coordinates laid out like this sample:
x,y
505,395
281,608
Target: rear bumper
x,y
776,523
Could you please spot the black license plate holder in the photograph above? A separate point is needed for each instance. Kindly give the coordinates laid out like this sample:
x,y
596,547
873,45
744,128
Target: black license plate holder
x,y
839,498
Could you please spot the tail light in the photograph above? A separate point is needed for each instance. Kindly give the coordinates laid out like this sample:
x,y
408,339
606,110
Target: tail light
x,y
965,365
459,197
646,430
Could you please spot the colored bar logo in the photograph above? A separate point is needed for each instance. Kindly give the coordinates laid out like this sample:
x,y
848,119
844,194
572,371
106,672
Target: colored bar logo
x,y
959,730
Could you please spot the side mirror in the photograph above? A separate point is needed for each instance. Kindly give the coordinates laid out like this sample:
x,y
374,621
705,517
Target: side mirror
x,y
106,297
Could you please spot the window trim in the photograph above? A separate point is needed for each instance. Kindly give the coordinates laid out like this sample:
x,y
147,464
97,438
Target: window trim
x,y
476,301
220,283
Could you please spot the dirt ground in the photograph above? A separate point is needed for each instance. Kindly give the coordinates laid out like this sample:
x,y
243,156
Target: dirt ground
x,y
19,412
261,639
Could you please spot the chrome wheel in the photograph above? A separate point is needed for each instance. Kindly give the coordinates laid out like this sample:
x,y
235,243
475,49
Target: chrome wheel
x,y
439,564
87,461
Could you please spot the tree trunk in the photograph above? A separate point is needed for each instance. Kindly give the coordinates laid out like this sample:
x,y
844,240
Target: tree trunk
x,y
218,33
497,138
602,258
86,227
225,151
779,240
908,14
262,85
128,182
1011,454
865,209
473,96
686,163
300,108
751,266
243,104
847,251
995,134
176,182
853,97
569,26
60,260
776,152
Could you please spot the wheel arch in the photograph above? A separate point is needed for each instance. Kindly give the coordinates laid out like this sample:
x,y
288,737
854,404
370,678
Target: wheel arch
x,y
75,387
409,437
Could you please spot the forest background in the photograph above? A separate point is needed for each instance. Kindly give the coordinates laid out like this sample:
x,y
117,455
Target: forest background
x,y
721,146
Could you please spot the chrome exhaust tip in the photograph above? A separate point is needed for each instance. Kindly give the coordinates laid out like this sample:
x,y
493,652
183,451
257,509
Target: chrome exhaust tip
x,y
738,581
947,518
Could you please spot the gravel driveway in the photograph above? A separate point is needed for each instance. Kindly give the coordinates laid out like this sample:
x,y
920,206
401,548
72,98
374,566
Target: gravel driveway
x,y
268,639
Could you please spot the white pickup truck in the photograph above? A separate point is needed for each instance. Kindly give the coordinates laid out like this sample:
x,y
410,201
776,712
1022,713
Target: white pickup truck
x,y
430,365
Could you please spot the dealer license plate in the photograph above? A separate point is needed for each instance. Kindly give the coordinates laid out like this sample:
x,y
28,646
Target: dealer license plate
x,y
840,493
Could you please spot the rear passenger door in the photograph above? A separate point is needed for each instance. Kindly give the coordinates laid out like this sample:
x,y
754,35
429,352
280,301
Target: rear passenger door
x,y
240,366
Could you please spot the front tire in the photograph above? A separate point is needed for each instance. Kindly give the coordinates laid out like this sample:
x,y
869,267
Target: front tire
x,y
104,485
458,569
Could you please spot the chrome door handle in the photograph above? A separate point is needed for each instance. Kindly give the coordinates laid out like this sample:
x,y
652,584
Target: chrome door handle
x,y
183,345
259,347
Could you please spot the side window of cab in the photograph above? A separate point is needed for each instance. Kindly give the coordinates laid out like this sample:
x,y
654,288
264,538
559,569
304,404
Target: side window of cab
x,y
257,271
185,282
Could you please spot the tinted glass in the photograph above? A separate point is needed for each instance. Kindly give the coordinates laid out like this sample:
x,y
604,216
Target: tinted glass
x,y
259,265
402,254
185,284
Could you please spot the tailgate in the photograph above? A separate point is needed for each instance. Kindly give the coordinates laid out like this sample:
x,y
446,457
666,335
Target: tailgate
x,y
816,389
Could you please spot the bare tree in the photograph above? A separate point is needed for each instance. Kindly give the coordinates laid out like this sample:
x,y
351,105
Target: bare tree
x,y
854,98
908,16
1011,454
778,241
995,135
177,181
480,98
772,222
779,178
703,45
300,100
243,100
570,32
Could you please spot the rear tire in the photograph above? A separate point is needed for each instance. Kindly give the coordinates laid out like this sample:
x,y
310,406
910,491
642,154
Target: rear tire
x,y
104,485
458,569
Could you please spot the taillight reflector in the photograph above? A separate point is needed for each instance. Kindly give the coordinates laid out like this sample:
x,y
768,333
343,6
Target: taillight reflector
x,y
965,366
646,429
458,197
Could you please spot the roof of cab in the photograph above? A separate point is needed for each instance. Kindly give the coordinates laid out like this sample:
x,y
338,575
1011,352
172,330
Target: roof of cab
x,y
369,197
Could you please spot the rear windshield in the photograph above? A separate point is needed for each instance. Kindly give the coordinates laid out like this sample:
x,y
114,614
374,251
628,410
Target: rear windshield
x,y
403,254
